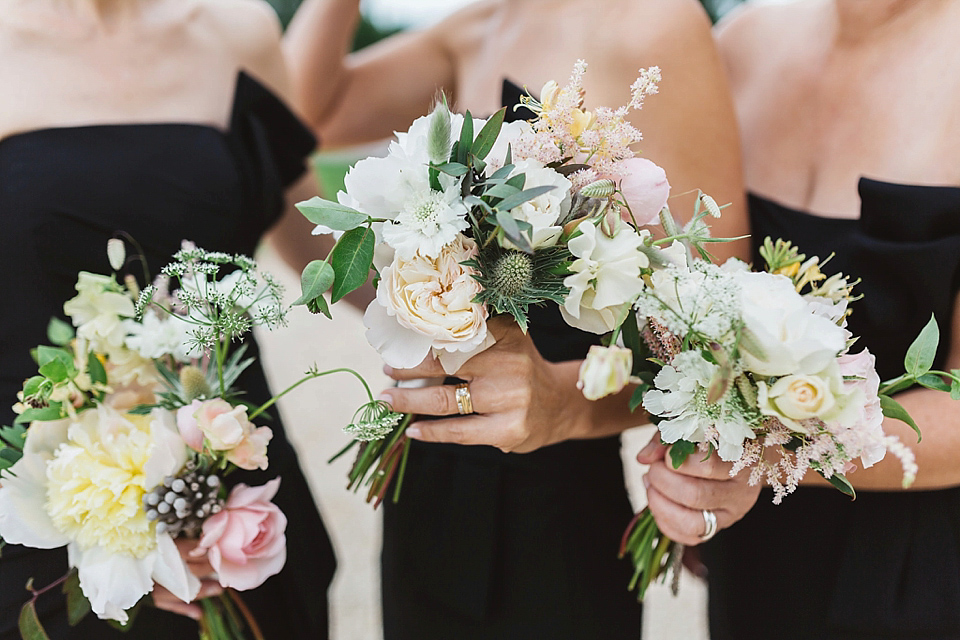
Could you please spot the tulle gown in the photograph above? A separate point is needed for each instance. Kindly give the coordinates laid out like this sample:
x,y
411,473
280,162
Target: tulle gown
x,y
818,566
63,193
485,544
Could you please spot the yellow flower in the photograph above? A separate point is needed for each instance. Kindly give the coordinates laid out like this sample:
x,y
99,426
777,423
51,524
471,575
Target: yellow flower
x,y
582,120
790,270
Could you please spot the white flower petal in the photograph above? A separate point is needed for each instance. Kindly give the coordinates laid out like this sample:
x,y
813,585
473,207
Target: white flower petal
x,y
451,361
399,347
171,572
112,582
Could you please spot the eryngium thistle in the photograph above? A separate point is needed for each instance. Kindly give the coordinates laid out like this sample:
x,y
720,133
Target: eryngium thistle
x,y
373,421
512,273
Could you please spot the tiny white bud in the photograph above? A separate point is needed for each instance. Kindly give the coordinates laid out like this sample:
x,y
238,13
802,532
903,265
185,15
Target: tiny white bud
x,y
116,253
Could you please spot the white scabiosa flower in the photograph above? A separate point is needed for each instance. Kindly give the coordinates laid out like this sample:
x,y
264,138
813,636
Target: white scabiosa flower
x,y
427,222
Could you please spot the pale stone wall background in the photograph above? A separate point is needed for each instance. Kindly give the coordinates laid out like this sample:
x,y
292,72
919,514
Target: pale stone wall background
x,y
314,415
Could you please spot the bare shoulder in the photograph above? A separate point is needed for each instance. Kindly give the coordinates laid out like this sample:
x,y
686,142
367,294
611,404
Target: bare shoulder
x,y
755,32
250,32
466,27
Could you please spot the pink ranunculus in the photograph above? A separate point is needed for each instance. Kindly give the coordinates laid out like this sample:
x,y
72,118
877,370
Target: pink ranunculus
x,y
251,453
223,425
245,542
645,188
188,427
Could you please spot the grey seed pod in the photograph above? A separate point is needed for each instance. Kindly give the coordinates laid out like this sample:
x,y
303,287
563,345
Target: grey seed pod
x,y
163,508
178,485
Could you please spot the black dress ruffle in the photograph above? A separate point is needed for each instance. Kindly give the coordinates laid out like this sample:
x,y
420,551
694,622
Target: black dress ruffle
x,y
887,565
63,193
485,544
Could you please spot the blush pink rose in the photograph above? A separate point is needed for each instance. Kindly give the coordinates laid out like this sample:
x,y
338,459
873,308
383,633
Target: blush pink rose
x,y
862,367
245,542
645,188
251,453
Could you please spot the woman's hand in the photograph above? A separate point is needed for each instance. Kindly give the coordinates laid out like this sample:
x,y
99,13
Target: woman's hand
x,y
199,567
678,497
520,400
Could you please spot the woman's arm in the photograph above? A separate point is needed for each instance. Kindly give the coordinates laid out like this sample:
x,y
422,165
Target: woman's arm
x,y
365,96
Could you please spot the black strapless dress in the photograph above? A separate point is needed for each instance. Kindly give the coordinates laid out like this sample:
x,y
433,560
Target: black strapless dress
x,y
63,193
820,567
485,544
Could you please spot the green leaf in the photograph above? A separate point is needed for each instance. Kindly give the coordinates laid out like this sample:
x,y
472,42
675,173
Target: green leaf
x,y
29,624
680,451
466,139
77,604
53,412
14,436
922,352
893,409
502,173
933,381
55,363
331,214
319,305
352,259
512,229
955,385
518,199
32,385
488,135
840,482
636,400
316,279
96,370
59,332
454,169
502,190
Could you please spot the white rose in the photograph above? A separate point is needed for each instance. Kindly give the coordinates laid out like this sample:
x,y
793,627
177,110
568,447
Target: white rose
x,y
796,398
425,304
606,370
546,210
606,276
782,334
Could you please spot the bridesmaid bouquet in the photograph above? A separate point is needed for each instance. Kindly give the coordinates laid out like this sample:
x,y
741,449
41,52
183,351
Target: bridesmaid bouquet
x,y
134,422
744,364
465,219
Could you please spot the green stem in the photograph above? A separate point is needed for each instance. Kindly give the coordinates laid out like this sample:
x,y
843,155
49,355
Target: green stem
x,y
310,376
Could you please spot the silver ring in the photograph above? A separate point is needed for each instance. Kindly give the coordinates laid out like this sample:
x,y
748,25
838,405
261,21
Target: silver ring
x,y
464,401
709,525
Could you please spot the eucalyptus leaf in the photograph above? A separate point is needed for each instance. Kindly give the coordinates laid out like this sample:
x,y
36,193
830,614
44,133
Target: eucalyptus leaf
x,y
316,279
512,230
352,259
680,451
922,352
454,169
502,190
45,414
59,332
524,196
466,139
488,135
331,214
29,623
502,173
319,305
893,409
77,604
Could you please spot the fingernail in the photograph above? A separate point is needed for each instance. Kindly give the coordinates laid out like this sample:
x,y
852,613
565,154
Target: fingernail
x,y
413,431
648,448
388,370
386,397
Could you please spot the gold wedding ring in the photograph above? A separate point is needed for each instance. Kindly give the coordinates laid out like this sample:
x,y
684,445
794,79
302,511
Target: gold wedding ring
x,y
709,525
464,401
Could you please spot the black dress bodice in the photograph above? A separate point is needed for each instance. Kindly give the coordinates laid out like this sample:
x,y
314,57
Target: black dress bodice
x,y
63,193
485,544
887,565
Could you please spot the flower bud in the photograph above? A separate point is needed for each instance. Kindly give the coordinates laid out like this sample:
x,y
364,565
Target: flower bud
x,y
606,370
116,253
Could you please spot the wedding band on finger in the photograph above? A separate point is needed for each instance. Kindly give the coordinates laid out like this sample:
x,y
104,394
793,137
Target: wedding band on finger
x,y
709,524
464,401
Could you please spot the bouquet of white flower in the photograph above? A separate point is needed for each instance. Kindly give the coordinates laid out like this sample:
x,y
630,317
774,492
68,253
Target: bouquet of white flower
x,y
744,364
458,226
134,421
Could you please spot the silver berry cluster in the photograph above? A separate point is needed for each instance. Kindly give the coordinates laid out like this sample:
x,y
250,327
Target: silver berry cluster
x,y
183,502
